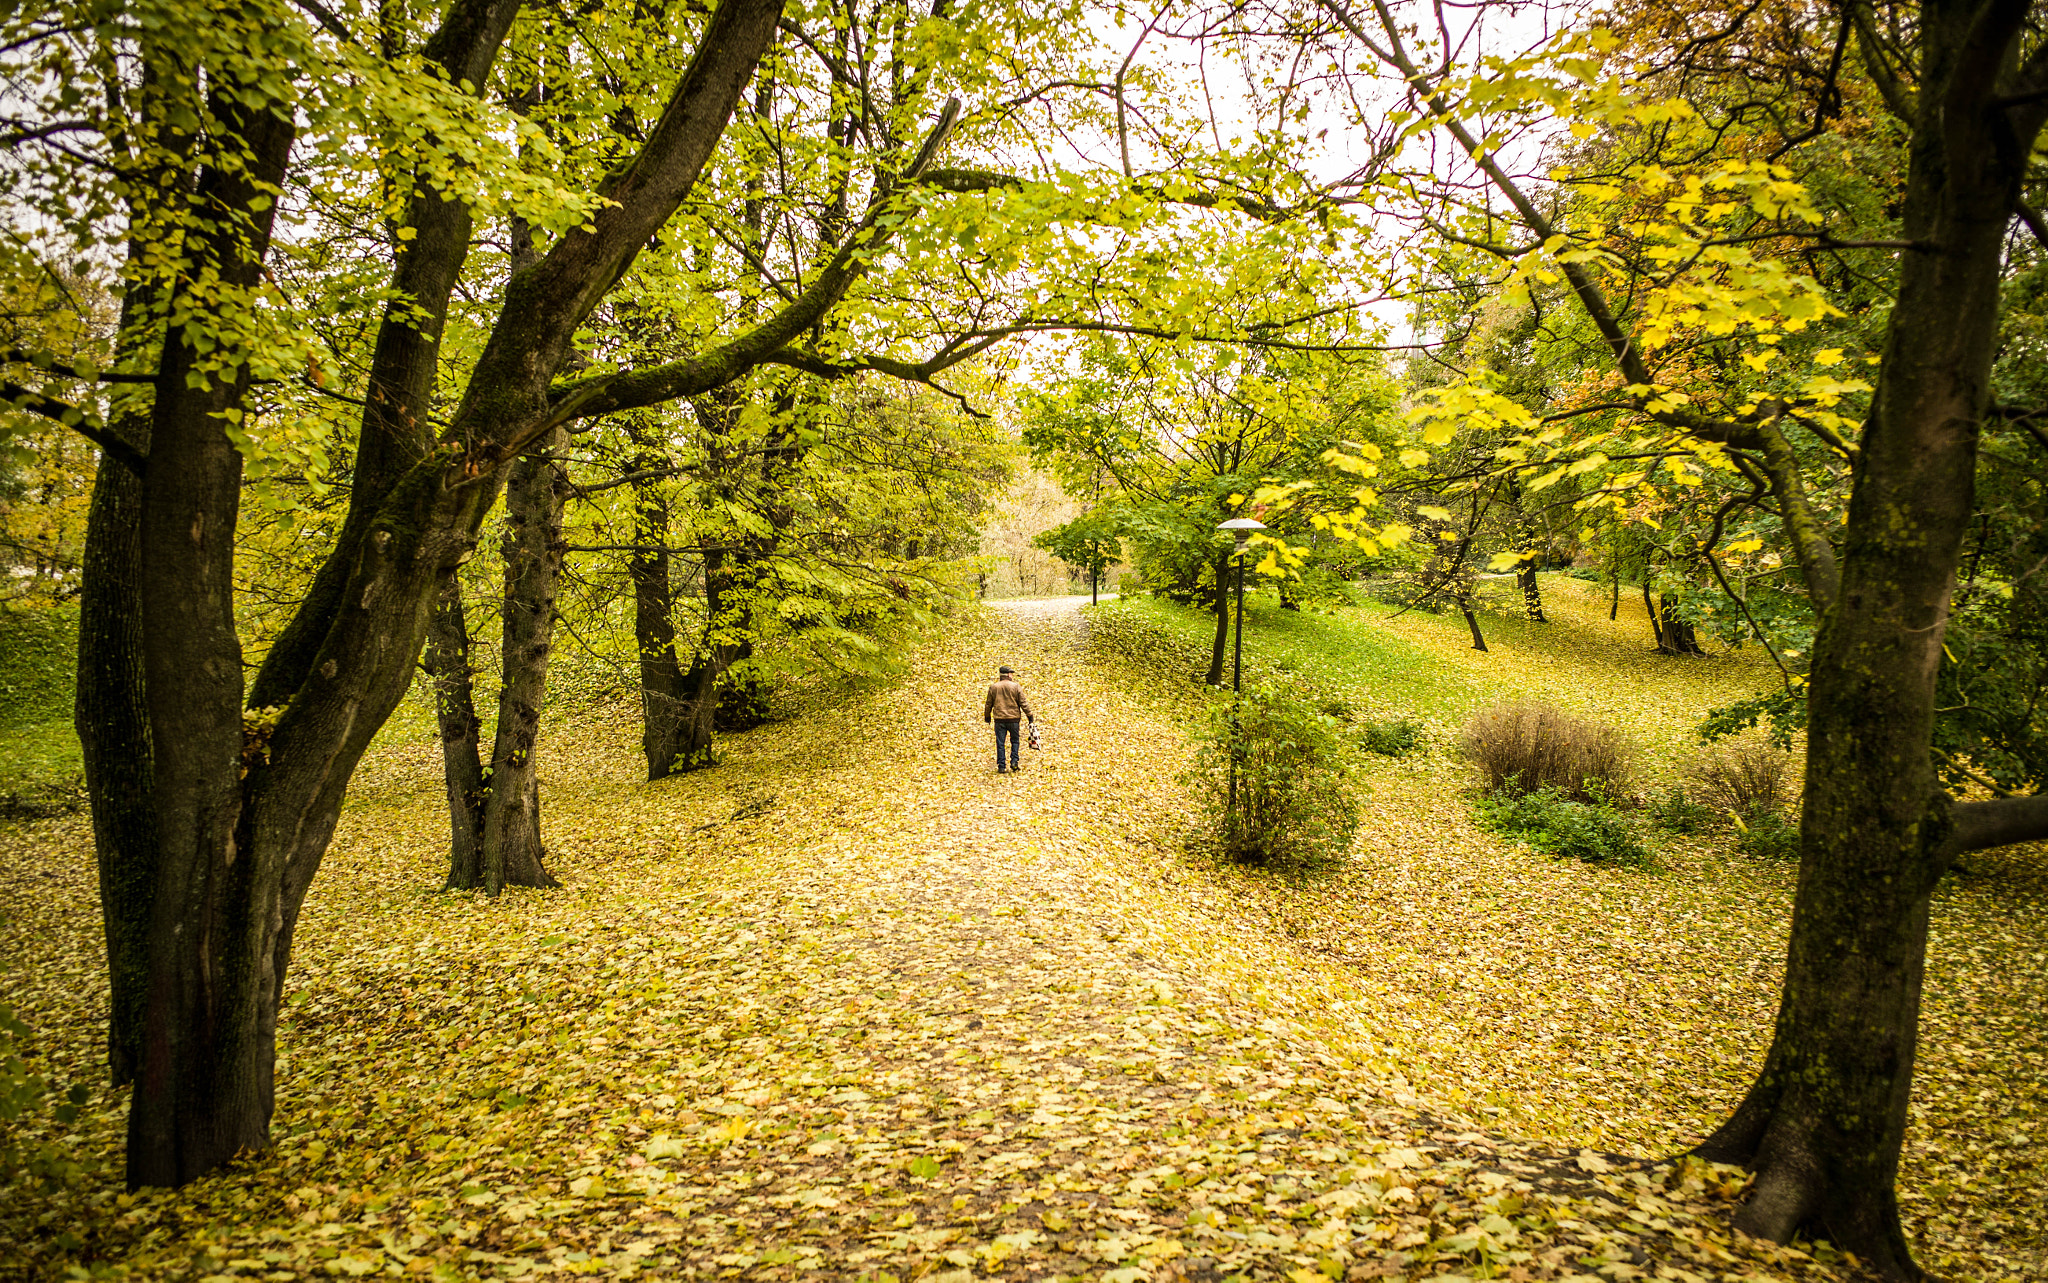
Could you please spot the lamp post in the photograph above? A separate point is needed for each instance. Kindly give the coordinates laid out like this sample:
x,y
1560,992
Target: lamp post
x,y
1240,529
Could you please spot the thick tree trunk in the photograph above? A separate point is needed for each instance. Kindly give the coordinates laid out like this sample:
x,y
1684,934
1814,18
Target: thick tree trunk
x,y
1222,641
1825,1120
449,664
513,853
203,1088
1674,635
113,734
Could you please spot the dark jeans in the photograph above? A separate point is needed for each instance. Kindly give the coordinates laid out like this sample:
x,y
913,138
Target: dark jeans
x,y
1007,729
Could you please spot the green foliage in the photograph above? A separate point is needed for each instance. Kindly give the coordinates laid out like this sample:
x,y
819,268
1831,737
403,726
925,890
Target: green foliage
x,y
1782,714
38,663
1088,543
1528,746
1678,812
1549,820
1766,833
1391,737
1284,764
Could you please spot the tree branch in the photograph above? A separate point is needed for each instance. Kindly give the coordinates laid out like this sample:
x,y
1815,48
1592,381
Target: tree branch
x,y
77,420
2002,821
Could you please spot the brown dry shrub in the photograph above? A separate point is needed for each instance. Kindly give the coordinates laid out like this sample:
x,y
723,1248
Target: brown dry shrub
x,y
1525,746
1743,777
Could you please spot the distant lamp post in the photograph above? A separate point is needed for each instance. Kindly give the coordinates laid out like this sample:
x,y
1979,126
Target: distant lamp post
x,y
1240,529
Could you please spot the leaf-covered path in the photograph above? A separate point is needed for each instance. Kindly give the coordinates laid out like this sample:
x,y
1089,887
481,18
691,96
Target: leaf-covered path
x,y
850,1004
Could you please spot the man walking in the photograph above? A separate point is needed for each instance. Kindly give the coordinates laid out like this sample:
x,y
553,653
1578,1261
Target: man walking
x,y
1004,705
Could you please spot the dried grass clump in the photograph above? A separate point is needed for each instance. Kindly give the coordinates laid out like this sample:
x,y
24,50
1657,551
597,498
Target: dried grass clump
x,y
1743,778
1526,746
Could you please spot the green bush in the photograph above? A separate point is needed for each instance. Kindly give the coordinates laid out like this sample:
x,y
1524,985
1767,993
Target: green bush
x,y
1552,822
1290,771
1393,737
1677,812
1765,832
1523,747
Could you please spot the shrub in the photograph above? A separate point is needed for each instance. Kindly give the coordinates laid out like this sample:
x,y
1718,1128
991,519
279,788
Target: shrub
x,y
1743,777
1294,803
1676,812
1524,747
1551,822
1391,738
1768,834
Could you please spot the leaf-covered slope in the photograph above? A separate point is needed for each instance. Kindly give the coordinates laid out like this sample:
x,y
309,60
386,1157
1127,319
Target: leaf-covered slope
x,y
852,1003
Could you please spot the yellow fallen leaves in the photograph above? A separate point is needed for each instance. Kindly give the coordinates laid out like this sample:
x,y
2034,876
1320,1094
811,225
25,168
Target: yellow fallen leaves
x,y
911,1020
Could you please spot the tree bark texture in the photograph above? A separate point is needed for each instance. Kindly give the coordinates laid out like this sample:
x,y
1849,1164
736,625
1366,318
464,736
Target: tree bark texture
x,y
513,853
462,770
244,806
113,734
1824,1122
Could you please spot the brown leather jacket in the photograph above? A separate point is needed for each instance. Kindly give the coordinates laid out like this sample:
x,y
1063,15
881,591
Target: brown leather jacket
x,y
1005,702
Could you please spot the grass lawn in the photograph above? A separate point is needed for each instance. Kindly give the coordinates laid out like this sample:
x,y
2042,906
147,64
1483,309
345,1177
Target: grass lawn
x,y
1608,1008
40,766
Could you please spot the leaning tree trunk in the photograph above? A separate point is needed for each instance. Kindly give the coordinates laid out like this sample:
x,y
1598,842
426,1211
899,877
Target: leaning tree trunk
x,y
513,854
1221,643
448,662
1825,1120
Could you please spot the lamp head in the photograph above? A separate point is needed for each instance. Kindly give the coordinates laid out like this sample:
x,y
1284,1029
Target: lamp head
x,y
1241,529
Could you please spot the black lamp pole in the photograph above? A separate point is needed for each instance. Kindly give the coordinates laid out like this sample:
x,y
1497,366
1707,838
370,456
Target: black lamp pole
x,y
1241,530
1237,659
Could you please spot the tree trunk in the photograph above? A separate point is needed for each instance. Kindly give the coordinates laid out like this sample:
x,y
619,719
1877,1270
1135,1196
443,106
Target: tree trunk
x,y
1471,622
513,854
203,1089
697,712
1532,592
1674,635
1824,1122
1656,619
662,700
113,735
462,770
1216,649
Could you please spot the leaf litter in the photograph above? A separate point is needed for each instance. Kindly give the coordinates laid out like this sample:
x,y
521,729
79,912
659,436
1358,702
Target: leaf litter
x,y
852,1006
